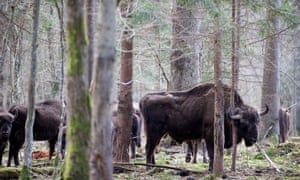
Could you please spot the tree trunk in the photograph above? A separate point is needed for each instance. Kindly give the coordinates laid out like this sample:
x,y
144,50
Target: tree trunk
x,y
296,56
92,9
26,171
124,121
78,102
219,102
270,86
185,54
235,69
101,151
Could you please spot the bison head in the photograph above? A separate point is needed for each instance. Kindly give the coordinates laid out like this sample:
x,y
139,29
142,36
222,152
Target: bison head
x,y
20,114
6,120
246,120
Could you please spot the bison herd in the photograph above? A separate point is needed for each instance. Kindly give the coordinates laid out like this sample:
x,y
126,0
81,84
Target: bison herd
x,y
186,116
45,128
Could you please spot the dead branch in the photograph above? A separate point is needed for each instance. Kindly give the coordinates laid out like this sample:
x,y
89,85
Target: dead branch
x,y
267,157
158,166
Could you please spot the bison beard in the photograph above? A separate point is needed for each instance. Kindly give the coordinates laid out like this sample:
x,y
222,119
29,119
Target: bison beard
x,y
46,126
189,115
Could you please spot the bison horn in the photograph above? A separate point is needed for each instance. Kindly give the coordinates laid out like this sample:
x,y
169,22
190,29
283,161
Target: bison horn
x,y
265,111
235,117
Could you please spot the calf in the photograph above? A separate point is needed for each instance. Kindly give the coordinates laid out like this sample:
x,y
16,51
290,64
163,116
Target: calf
x,y
46,126
6,120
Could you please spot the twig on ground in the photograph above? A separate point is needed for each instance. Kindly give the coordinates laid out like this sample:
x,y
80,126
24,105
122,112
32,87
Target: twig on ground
x,y
267,157
158,166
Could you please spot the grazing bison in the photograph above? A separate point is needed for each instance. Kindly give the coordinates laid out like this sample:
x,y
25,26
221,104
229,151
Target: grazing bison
x,y
46,126
284,125
189,115
6,120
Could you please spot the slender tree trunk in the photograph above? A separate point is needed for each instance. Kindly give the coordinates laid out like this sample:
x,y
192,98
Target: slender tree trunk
x,y
124,121
102,81
26,171
219,103
60,78
270,87
78,102
235,69
185,55
62,41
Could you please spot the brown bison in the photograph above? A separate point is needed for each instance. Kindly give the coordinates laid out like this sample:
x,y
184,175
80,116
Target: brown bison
x,y
6,120
284,125
189,115
46,126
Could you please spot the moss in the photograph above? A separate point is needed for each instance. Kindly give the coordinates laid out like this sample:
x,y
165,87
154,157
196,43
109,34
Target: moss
x,y
77,152
9,172
25,173
77,41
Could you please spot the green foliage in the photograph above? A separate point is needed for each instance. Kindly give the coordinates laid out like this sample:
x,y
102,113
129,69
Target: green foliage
x,y
213,8
145,14
187,2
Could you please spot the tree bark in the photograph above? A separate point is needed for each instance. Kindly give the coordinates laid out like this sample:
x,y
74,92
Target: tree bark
x,y
124,121
26,171
92,9
296,56
102,80
235,70
185,55
219,102
270,86
78,102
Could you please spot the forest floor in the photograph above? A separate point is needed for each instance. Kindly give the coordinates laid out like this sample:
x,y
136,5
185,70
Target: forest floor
x,y
250,164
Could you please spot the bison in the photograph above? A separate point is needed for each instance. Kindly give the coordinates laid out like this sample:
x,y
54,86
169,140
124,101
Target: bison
x,y
6,120
189,115
46,126
284,125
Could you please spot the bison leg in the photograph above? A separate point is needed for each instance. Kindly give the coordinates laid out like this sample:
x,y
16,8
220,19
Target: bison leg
x,y
210,150
51,147
152,142
2,151
195,150
13,153
204,151
189,151
132,147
